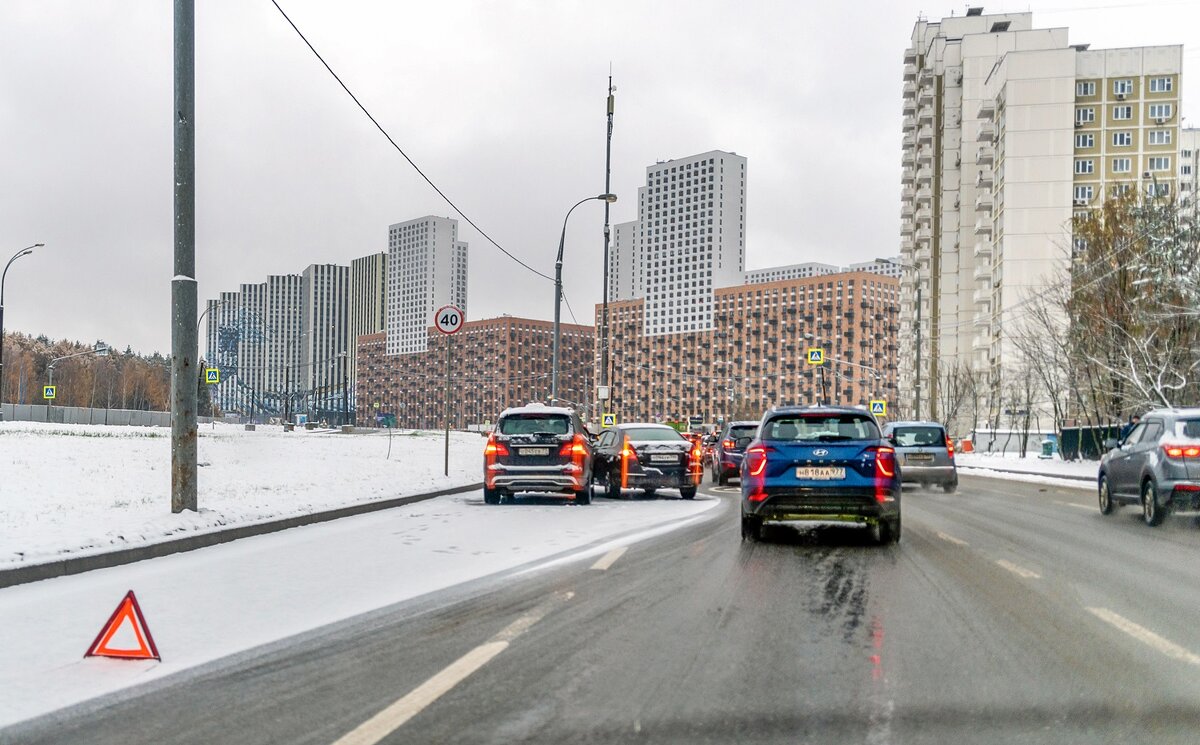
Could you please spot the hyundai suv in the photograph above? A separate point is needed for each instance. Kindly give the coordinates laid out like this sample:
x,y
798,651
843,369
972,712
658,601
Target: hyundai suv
x,y
538,448
729,448
821,464
1157,466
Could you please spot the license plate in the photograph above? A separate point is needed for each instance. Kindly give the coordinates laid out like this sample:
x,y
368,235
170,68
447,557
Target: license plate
x,y
663,459
535,451
922,457
817,473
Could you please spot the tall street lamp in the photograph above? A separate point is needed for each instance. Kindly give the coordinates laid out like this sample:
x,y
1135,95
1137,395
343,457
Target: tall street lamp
x,y
23,252
608,199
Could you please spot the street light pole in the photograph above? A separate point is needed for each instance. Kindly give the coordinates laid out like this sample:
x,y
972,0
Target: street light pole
x,y
603,407
609,199
23,252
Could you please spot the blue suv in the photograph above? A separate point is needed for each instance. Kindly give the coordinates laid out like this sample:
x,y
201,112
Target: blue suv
x,y
821,464
729,448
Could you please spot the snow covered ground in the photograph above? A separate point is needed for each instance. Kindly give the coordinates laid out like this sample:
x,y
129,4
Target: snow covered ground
x,y
206,604
80,489
1045,469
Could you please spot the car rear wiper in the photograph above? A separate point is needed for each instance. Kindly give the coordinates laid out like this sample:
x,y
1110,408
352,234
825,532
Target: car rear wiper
x,y
833,438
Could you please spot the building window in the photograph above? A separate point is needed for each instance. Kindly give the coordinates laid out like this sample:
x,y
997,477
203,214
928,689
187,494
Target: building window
x,y
1083,165
1085,141
1185,170
1159,163
1161,85
1083,194
1122,165
1122,113
1085,114
1122,139
1123,87
1160,137
1160,110
1087,88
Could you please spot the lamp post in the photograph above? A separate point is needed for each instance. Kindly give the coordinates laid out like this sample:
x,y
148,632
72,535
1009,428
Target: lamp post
x,y
99,349
821,372
23,252
608,199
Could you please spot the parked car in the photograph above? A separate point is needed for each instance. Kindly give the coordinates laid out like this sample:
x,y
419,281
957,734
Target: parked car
x,y
820,463
647,457
729,448
538,448
1156,466
925,453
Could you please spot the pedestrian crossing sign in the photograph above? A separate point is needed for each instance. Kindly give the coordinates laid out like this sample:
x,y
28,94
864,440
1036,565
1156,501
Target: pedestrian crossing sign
x,y
608,420
212,375
816,356
879,408
48,392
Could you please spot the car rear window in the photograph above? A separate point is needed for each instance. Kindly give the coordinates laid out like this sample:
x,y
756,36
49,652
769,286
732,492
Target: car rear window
x,y
527,424
820,427
919,436
653,434
737,433
1189,428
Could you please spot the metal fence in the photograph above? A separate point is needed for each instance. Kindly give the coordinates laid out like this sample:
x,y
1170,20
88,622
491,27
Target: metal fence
x,y
85,415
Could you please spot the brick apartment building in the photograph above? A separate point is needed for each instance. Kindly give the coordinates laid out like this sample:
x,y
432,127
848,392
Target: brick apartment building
x,y
496,363
754,357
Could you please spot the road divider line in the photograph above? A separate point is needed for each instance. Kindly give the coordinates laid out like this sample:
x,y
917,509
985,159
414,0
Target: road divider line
x,y
1074,504
604,562
1146,636
396,715
952,539
1020,571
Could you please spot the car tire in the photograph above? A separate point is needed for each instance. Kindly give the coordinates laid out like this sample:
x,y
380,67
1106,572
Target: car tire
x,y
951,486
887,531
651,492
491,496
612,487
722,479
715,478
1105,496
687,492
584,496
1152,512
751,528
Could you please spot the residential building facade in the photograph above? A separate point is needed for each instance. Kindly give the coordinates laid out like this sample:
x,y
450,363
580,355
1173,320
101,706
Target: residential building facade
x,y
368,303
325,306
426,269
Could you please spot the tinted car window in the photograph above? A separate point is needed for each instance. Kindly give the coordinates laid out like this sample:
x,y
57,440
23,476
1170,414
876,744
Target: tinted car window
x,y
1135,435
820,427
1189,428
919,436
736,433
527,424
1154,431
652,434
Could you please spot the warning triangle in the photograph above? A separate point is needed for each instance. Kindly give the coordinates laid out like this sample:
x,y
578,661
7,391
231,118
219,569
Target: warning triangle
x,y
125,635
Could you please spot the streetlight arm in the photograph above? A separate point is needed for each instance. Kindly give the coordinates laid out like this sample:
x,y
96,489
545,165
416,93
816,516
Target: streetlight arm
x,y
23,252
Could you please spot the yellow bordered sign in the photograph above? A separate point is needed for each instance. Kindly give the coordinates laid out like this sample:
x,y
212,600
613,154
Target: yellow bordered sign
x,y
879,408
815,356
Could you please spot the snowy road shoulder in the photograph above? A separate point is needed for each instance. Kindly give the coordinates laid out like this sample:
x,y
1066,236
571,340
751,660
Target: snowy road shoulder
x,y
214,602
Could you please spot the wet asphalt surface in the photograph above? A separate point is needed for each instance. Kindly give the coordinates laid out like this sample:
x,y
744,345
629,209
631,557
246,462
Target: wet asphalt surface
x,y
1008,613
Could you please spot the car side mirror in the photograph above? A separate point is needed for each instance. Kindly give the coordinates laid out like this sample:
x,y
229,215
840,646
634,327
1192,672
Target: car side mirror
x,y
892,439
1111,444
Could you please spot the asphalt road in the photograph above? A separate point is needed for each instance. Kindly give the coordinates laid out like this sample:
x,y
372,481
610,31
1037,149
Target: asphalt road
x,y
1008,613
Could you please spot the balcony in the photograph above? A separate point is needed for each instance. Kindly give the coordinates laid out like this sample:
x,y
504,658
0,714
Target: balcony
x,y
925,155
921,255
983,273
924,194
906,210
906,227
925,76
910,71
925,135
983,226
982,297
981,344
983,249
909,107
910,56
987,132
986,155
925,116
987,108
925,96
910,90
924,215
984,179
907,176
983,202
910,123
924,175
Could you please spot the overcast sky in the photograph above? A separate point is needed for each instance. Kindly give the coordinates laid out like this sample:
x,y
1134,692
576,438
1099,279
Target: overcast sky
x,y
501,103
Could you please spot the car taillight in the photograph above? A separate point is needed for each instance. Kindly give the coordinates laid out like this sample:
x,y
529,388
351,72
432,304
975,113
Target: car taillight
x,y
627,454
949,447
756,460
576,447
885,471
727,444
1181,451
493,448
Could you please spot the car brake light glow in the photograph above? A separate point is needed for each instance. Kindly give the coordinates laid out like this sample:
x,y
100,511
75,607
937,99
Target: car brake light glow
x,y
949,447
1181,451
494,448
727,444
491,452
627,454
885,471
756,460
576,447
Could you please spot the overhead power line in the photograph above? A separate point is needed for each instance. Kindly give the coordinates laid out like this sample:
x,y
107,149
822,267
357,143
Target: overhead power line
x,y
400,150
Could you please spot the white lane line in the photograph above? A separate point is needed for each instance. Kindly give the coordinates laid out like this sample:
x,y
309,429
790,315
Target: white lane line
x,y
1074,504
1146,636
395,716
952,539
1020,571
604,562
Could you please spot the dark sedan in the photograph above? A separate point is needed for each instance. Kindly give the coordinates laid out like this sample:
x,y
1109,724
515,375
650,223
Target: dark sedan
x,y
729,448
647,457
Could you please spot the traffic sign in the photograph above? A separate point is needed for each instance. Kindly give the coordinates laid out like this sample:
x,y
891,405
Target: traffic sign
x,y
135,642
212,375
48,391
879,408
608,420
816,356
448,319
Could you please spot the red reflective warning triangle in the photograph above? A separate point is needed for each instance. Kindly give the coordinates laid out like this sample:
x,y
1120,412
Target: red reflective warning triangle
x,y
127,619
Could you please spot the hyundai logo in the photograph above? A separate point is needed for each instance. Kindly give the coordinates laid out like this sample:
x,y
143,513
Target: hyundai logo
x,y
820,451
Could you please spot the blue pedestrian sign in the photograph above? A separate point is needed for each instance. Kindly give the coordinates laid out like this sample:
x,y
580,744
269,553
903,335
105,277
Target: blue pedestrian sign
x,y
48,392
816,356
608,420
212,375
879,408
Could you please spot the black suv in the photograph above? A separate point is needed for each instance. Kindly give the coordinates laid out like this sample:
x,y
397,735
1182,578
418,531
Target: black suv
x,y
729,448
538,448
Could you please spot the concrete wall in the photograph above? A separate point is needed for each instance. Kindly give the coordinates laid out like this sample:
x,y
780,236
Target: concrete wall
x,y
83,415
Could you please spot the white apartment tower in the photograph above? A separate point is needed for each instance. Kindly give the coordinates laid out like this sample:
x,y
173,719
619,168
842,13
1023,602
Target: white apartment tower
x,y
426,269
324,305
1009,131
368,304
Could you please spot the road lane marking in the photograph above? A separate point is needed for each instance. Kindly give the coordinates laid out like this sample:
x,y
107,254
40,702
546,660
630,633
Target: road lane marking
x,y
396,715
1074,504
1146,636
952,539
1020,571
604,562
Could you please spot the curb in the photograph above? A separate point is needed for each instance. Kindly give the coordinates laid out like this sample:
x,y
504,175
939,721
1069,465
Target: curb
x,y
1067,476
80,564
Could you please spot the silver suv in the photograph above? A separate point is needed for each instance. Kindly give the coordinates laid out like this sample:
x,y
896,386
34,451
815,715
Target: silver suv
x,y
1156,466
924,452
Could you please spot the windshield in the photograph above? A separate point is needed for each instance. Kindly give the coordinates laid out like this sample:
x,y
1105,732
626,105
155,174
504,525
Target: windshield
x,y
528,424
737,433
820,428
653,434
919,436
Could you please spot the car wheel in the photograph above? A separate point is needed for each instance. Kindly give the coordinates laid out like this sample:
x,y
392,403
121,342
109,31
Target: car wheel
x,y
751,528
584,496
950,487
650,492
887,531
1106,500
1152,512
491,496
713,473
613,486
722,479
688,492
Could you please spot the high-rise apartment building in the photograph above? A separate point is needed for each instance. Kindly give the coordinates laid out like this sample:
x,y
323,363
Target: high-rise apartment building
x,y
689,238
886,267
324,304
282,336
368,304
1009,132
1189,166
426,269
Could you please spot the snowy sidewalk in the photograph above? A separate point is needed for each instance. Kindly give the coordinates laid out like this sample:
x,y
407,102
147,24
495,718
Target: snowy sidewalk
x,y
1053,471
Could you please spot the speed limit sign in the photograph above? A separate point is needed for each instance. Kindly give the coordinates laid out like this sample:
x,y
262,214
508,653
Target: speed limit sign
x,y
448,319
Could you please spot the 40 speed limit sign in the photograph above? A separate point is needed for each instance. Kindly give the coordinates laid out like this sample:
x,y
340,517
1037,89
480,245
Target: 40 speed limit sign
x,y
448,319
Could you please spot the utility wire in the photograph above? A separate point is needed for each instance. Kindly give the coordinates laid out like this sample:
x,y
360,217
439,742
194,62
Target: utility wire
x,y
384,132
